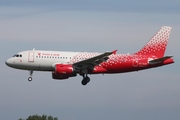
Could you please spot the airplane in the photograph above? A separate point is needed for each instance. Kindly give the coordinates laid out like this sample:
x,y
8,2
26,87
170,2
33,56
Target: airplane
x,y
64,65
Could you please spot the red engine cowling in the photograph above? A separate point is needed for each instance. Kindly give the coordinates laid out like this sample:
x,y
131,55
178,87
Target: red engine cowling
x,y
63,71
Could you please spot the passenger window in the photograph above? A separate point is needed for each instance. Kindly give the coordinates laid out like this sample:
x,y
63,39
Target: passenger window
x,y
20,55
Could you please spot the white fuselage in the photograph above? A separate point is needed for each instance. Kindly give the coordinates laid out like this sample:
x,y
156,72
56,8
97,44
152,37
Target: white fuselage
x,y
40,60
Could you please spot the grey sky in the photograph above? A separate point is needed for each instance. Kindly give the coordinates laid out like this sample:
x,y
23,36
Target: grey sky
x,y
94,25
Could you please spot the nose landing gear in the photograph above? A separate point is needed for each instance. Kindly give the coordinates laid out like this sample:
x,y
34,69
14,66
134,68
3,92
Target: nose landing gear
x,y
30,73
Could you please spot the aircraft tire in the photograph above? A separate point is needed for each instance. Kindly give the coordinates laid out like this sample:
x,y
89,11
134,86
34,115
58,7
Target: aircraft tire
x,y
30,79
85,81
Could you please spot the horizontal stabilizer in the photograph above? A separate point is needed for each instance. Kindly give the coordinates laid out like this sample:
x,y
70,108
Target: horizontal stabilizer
x,y
159,60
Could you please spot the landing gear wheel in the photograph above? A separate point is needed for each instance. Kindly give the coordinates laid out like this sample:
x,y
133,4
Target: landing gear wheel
x,y
30,73
30,79
85,80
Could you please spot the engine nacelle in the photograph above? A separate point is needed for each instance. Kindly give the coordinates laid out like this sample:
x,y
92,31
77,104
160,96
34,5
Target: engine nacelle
x,y
61,77
63,71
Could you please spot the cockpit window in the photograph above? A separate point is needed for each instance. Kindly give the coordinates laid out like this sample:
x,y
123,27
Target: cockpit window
x,y
17,55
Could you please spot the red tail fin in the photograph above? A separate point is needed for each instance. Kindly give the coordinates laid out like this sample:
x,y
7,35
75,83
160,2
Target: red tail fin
x,y
157,44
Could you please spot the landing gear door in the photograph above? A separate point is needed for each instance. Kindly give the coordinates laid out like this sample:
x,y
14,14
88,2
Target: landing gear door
x,y
31,56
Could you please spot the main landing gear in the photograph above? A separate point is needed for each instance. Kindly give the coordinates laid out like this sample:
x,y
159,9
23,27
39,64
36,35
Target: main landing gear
x,y
85,80
30,73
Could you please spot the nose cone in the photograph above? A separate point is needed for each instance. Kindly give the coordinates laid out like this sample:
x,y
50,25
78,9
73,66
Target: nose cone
x,y
8,62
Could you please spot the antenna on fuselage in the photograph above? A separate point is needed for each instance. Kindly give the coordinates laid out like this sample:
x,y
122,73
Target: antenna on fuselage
x,y
33,49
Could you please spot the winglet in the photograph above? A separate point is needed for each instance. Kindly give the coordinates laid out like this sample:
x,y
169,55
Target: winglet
x,y
110,53
114,52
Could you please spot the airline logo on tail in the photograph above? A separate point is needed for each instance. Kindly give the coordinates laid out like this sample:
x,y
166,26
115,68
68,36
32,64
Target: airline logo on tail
x,y
157,44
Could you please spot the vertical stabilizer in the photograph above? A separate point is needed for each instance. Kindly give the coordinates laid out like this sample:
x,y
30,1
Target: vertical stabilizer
x,y
157,44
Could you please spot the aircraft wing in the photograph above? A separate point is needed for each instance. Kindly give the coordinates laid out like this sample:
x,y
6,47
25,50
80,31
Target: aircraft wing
x,y
93,61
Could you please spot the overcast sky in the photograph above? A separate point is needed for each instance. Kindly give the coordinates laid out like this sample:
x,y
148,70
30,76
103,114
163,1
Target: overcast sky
x,y
95,26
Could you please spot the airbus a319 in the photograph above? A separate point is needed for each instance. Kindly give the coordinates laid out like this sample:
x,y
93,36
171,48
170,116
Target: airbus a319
x,y
64,65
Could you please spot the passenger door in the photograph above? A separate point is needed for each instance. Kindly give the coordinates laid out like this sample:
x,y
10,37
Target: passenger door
x,y
31,56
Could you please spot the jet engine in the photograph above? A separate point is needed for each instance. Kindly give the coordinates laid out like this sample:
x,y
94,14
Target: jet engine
x,y
63,71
